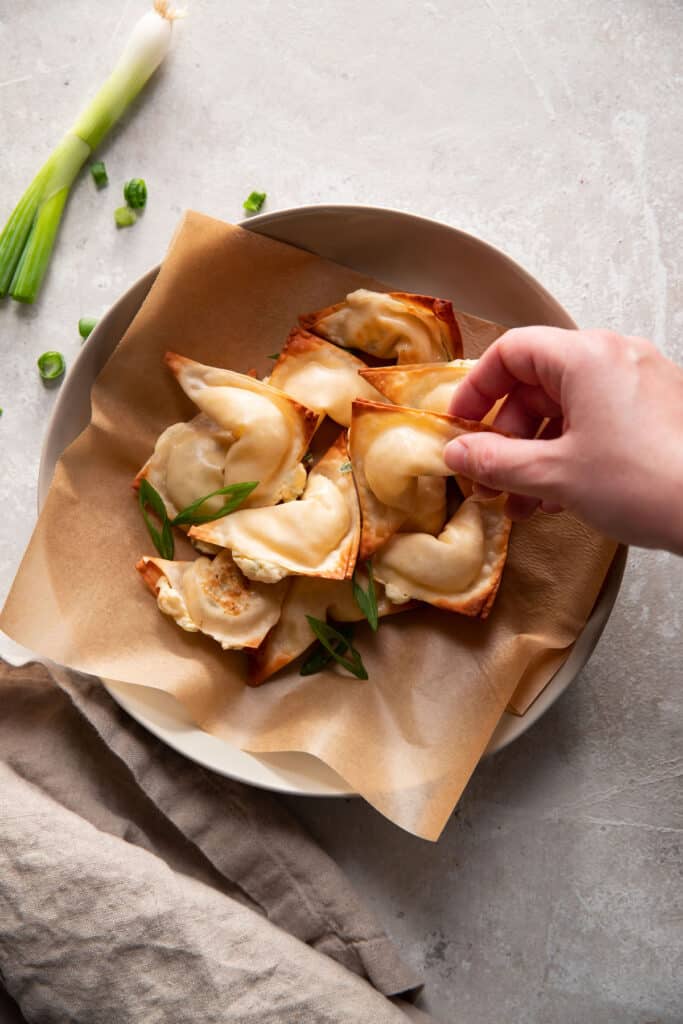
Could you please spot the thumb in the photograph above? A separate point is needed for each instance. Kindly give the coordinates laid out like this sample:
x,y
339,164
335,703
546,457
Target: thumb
x,y
508,464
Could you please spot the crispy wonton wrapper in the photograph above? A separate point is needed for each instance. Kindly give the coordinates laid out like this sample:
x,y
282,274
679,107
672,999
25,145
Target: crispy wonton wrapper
x,y
315,536
407,739
323,599
329,376
461,569
393,448
398,325
212,596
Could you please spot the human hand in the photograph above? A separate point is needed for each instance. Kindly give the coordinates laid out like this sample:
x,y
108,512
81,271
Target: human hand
x,y
612,450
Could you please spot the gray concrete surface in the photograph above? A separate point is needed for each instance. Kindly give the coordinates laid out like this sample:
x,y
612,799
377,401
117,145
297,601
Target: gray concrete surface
x,y
553,130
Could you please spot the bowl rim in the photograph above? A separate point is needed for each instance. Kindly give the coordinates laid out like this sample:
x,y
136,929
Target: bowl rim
x,y
314,209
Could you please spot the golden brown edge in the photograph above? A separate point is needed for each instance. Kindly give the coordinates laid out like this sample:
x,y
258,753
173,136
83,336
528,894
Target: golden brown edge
x,y
342,446
335,456
260,670
151,574
390,379
442,310
371,540
310,320
298,341
497,573
311,419
480,605
362,406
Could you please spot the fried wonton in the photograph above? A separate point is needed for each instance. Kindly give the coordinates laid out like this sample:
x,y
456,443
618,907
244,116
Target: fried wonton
x,y
315,536
322,599
429,386
322,376
391,448
429,514
188,462
213,597
391,325
270,430
459,570
423,386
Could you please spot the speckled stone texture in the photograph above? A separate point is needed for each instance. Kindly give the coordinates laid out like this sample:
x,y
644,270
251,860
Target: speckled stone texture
x,y
553,130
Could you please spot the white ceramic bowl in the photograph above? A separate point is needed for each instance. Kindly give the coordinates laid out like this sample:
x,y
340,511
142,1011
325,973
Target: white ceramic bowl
x,y
411,254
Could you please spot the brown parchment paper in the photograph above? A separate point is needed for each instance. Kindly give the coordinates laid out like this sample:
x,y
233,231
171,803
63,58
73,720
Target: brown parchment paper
x,y
408,739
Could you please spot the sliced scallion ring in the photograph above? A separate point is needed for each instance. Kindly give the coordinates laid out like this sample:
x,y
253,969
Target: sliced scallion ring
x,y
124,217
254,202
86,325
99,174
135,193
51,365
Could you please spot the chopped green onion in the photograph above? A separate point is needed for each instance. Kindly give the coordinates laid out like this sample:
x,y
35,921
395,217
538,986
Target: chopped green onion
x,y
135,193
99,173
367,599
320,657
275,355
331,639
254,201
28,237
124,217
148,496
346,467
86,326
51,365
191,517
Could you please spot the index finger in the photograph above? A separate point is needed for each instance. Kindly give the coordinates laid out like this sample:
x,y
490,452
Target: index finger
x,y
527,355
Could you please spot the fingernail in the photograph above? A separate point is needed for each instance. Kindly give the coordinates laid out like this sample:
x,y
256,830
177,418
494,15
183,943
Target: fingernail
x,y
456,455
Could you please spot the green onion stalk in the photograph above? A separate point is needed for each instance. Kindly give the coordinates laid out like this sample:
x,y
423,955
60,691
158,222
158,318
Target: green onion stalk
x,y
28,237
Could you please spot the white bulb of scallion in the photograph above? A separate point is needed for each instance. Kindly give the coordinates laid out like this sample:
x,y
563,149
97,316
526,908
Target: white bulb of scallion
x,y
28,237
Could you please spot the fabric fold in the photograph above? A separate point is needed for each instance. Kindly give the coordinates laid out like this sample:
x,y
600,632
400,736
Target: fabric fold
x,y
163,863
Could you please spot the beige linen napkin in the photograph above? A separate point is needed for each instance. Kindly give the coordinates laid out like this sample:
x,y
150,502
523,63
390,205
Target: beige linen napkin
x,y
136,886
